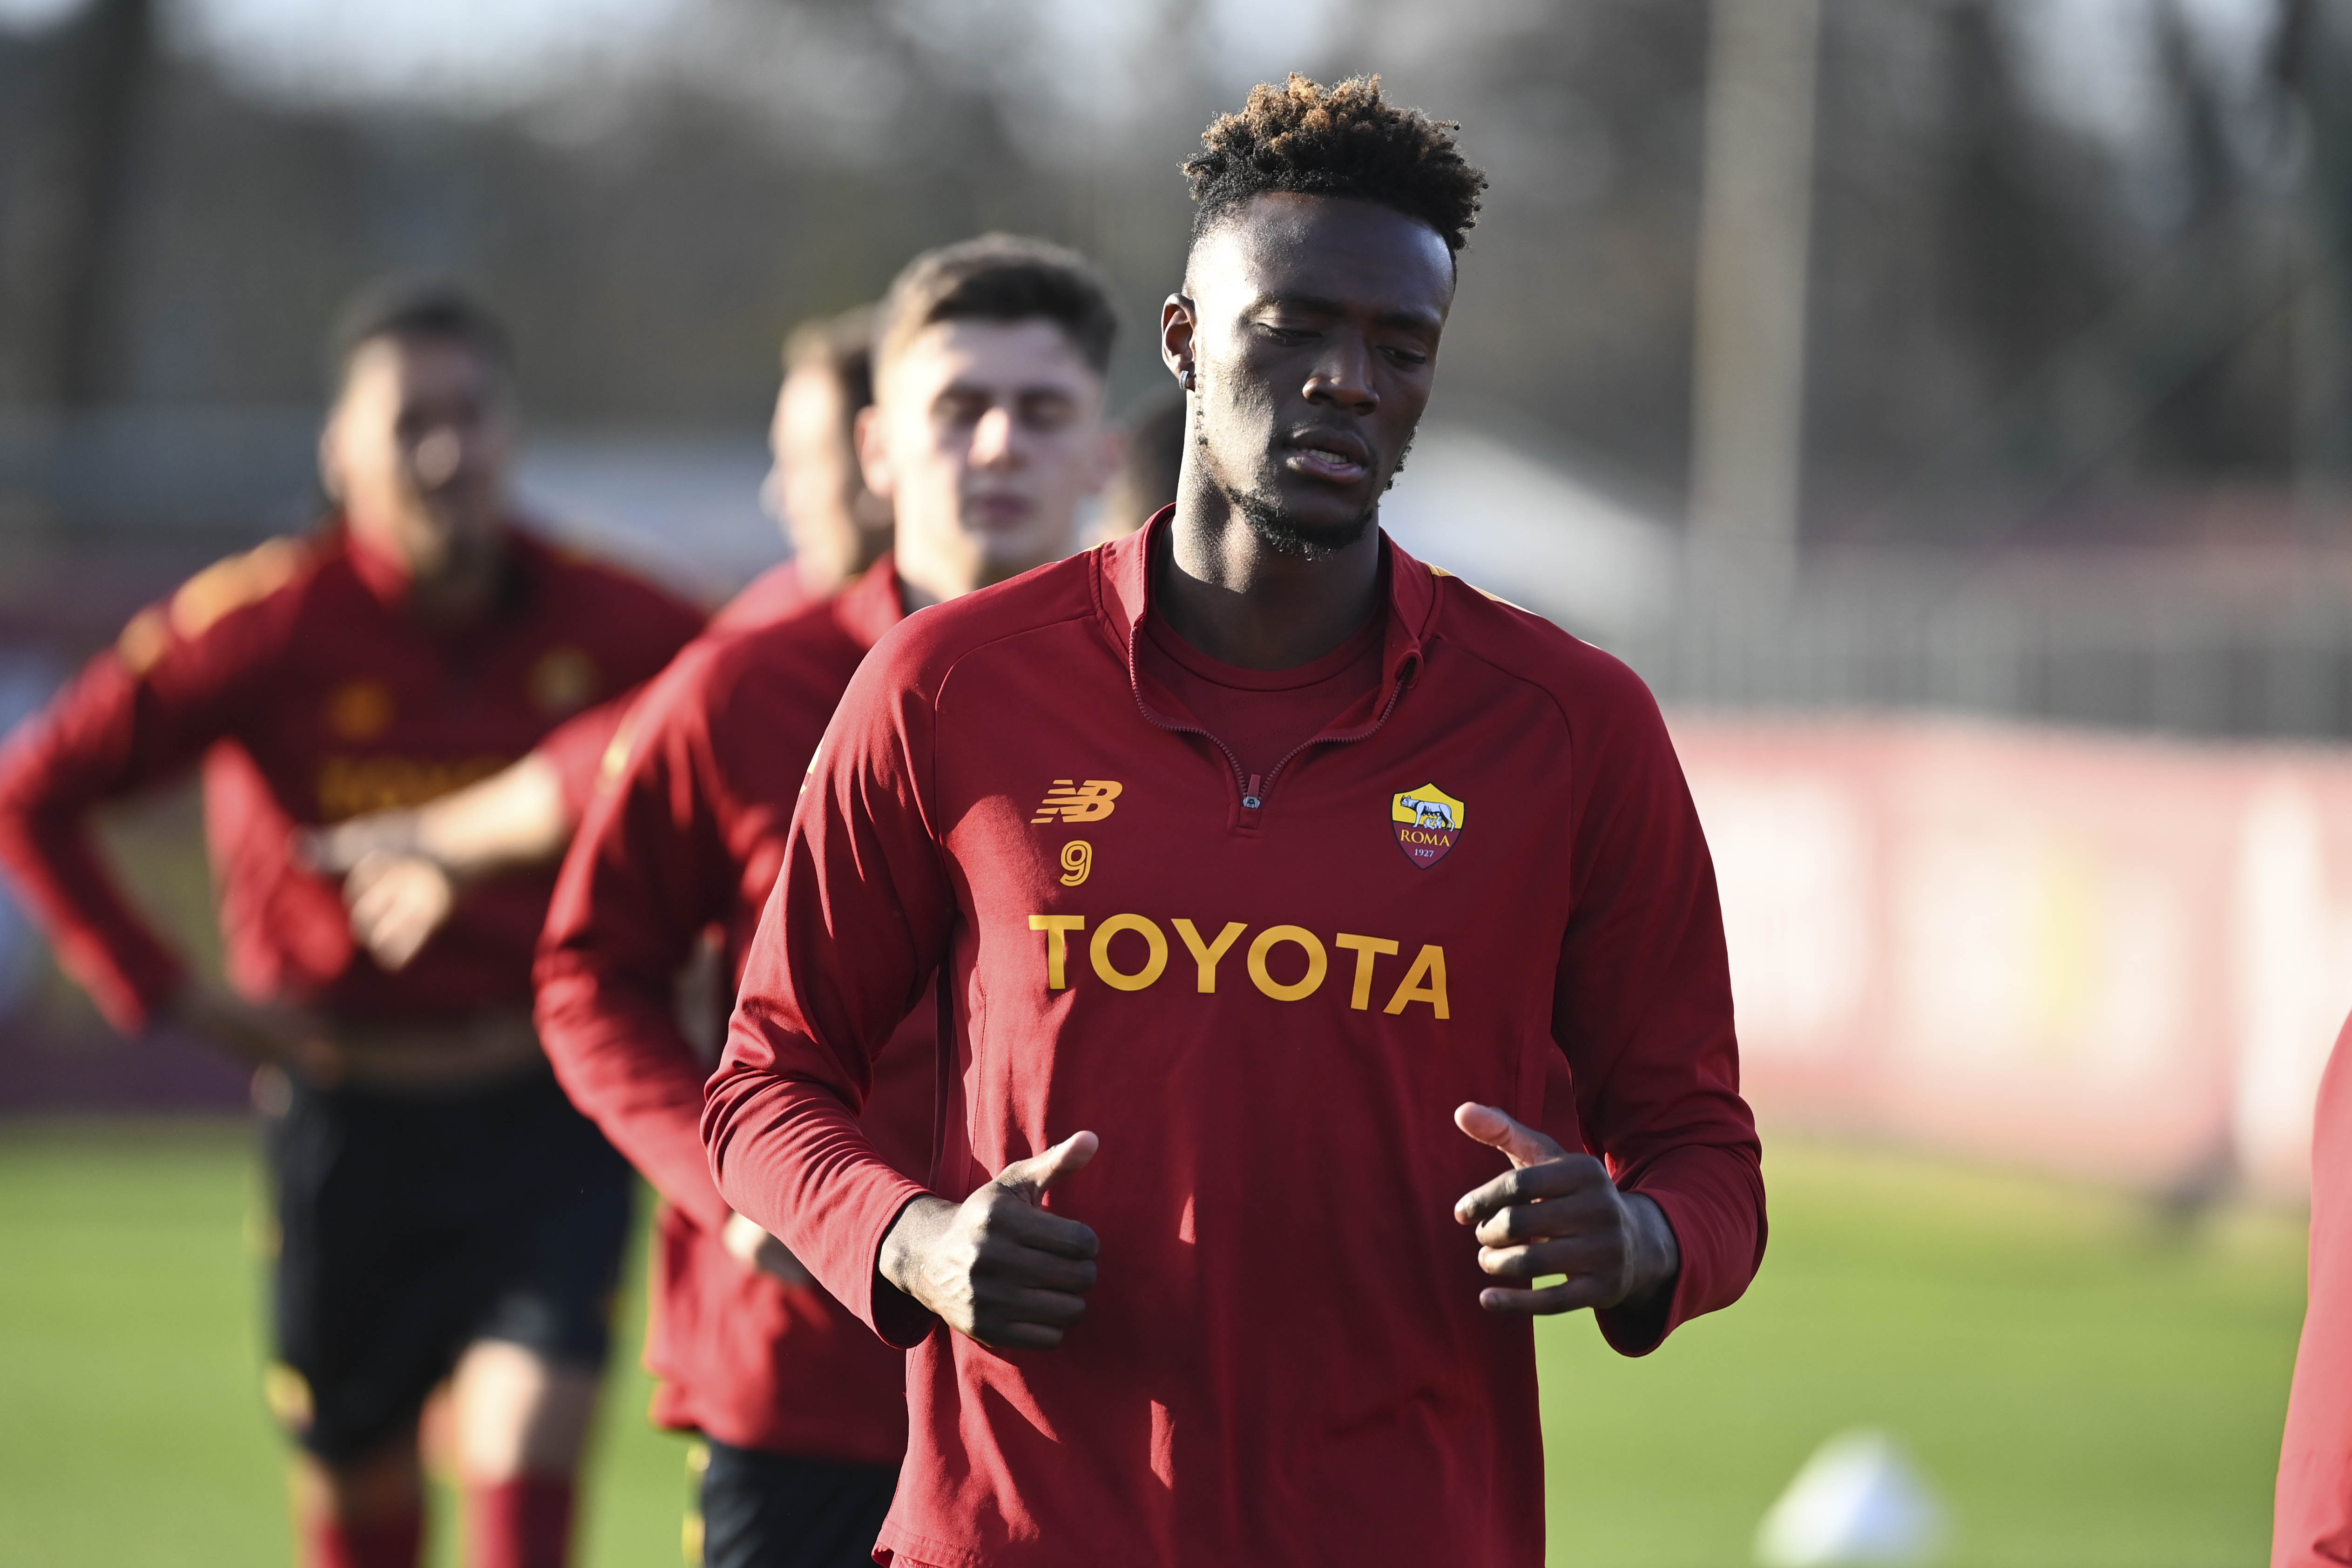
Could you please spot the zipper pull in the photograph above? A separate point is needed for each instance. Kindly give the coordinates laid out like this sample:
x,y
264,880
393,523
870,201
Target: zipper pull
x,y
1251,799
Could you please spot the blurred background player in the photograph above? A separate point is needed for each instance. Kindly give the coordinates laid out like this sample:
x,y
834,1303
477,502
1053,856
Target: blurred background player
x,y
987,434
838,527
403,867
1146,479
439,1207
2311,1521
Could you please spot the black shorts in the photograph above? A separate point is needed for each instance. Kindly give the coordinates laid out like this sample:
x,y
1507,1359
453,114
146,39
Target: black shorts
x,y
410,1227
781,1510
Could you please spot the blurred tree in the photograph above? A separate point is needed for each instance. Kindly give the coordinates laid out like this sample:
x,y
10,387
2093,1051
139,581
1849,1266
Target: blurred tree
x,y
2313,61
2004,326
2020,328
71,131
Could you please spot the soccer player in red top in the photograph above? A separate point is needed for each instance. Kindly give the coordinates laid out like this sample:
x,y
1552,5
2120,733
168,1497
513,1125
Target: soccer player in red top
x,y
987,434
837,525
2311,1526
1270,872
440,1208
403,867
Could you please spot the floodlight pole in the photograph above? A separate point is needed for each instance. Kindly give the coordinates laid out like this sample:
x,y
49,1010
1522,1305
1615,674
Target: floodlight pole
x,y
1754,210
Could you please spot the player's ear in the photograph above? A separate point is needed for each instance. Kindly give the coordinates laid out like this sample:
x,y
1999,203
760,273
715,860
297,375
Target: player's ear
x,y
1179,321
874,451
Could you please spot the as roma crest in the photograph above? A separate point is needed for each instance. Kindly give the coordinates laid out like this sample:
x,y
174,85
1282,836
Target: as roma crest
x,y
1427,821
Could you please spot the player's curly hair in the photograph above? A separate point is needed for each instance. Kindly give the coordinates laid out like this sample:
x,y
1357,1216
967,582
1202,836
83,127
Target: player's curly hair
x,y
1340,141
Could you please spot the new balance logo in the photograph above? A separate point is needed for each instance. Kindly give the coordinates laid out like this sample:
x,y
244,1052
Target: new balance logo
x,y
1077,801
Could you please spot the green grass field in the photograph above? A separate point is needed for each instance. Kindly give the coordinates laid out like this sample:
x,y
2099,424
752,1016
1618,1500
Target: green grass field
x,y
2082,1386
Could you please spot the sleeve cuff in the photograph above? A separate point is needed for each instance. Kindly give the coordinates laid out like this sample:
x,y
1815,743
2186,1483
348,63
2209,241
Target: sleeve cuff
x,y
902,1320
1638,1331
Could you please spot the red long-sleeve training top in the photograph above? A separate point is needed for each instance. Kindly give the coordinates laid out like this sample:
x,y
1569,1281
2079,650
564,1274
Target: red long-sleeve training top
x,y
776,595
2312,1527
1269,1012
576,748
311,694
685,834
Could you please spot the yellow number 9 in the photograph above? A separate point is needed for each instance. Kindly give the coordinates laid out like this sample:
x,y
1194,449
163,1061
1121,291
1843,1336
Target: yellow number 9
x,y
1077,859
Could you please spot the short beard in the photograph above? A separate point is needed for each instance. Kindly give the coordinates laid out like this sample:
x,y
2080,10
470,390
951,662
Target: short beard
x,y
1287,535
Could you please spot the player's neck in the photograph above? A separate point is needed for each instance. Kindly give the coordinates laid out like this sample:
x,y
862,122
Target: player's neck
x,y
454,598
926,578
454,587
1229,592
933,572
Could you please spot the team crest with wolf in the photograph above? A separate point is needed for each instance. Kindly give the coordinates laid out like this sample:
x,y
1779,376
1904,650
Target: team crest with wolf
x,y
1427,822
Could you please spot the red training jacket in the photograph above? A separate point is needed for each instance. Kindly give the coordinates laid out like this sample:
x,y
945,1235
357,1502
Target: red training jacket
x,y
1267,1004
778,594
688,833
294,671
2311,1526
577,748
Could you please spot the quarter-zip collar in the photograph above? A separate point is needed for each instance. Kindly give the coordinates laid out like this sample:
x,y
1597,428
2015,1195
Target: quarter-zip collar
x,y
1123,602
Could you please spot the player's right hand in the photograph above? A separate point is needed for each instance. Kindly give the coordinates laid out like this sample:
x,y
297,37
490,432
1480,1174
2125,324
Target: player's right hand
x,y
397,904
997,1266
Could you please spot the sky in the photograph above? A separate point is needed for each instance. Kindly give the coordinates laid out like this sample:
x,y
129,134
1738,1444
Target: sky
x,y
489,53
2093,58
2094,61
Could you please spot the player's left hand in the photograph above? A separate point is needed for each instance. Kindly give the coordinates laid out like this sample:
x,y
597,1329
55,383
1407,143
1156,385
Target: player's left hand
x,y
760,1253
335,849
1559,1213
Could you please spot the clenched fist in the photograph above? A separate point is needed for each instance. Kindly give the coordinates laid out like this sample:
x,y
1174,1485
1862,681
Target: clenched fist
x,y
997,1266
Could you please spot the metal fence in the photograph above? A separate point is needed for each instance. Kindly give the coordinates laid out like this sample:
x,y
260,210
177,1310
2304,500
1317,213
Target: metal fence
x,y
2227,644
